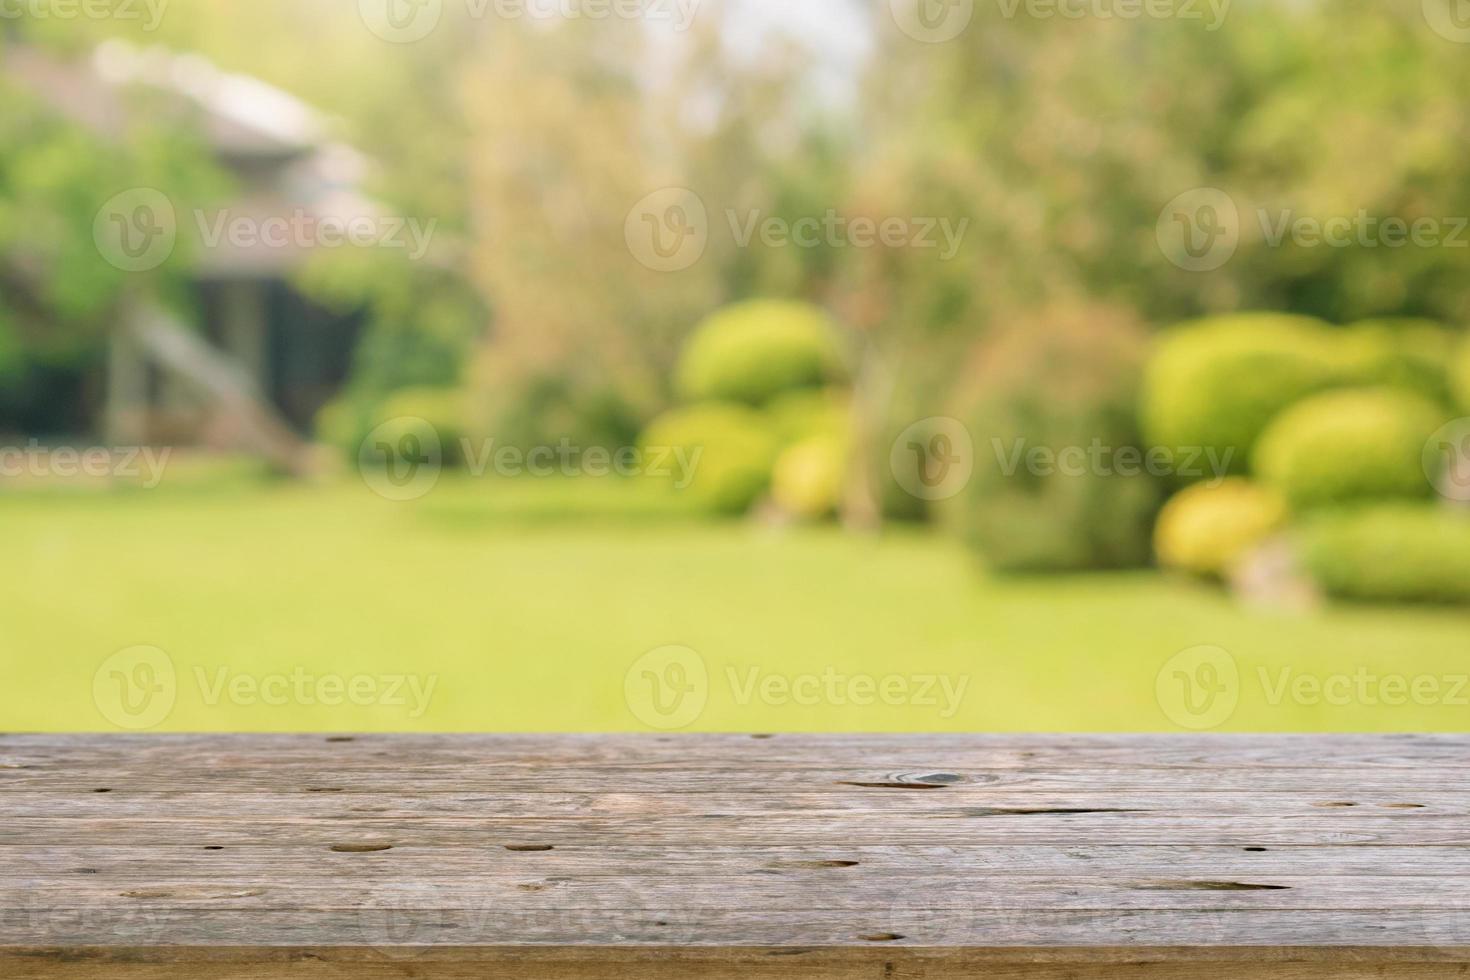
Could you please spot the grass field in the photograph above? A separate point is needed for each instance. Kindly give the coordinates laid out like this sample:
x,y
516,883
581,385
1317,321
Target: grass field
x,y
532,606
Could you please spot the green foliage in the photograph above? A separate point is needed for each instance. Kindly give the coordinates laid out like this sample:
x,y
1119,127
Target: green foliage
x,y
1460,376
1347,446
1216,383
1064,381
730,449
1392,553
347,421
527,406
800,415
1401,353
808,477
1206,528
443,408
752,351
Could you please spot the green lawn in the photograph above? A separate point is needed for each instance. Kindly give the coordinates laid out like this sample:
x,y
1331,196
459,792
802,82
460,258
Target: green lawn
x,y
527,606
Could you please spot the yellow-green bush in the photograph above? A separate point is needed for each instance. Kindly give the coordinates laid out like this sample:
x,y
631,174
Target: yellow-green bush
x,y
799,415
752,351
442,408
1400,353
808,477
1216,383
729,448
1349,445
1206,528
346,422
1460,376
1390,553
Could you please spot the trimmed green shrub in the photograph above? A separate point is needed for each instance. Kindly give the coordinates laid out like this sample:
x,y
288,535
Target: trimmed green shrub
x,y
1400,353
800,415
443,408
1206,528
1460,376
1392,553
347,421
1216,383
1351,445
729,449
1059,383
808,477
753,351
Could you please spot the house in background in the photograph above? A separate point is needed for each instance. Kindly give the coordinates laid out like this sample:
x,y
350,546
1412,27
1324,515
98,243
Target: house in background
x,y
257,336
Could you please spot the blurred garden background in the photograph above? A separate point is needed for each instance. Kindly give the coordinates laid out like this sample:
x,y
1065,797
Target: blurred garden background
x,y
579,365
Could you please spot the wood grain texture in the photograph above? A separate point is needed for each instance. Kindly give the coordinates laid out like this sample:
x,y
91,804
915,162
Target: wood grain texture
x,y
458,856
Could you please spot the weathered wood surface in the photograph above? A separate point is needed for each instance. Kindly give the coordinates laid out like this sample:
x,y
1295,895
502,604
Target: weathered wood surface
x,y
457,856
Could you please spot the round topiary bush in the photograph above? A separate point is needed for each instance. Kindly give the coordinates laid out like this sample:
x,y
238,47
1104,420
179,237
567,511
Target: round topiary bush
x,y
1350,445
442,408
808,477
1460,376
719,454
799,415
1059,482
1215,384
1390,553
1400,353
753,351
1206,528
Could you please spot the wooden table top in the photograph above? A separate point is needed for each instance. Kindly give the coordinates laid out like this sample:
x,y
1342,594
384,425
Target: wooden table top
x,y
427,856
